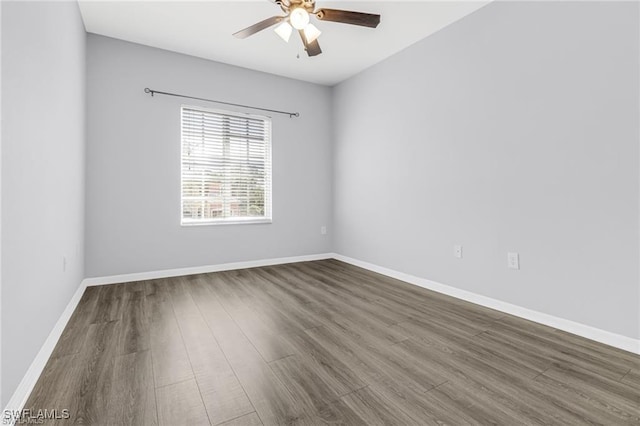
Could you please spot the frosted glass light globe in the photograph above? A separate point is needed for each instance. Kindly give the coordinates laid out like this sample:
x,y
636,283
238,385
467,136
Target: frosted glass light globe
x,y
284,31
299,18
311,33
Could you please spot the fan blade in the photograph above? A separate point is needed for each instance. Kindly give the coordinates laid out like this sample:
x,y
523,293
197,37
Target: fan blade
x,y
259,27
313,48
346,17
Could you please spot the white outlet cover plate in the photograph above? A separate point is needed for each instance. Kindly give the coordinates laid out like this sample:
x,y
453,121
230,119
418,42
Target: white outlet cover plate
x,y
513,260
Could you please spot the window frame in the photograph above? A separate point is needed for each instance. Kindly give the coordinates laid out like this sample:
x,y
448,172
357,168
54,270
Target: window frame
x,y
268,218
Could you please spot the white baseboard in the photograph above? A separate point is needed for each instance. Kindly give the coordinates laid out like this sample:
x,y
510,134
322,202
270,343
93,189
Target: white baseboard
x,y
168,273
20,396
22,392
602,336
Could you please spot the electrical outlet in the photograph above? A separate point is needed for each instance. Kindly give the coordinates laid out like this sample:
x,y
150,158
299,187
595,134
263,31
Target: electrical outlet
x,y
457,251
323,230
513,261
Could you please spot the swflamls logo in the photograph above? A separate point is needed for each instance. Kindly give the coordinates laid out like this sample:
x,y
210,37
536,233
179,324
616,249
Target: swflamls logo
x,y
33,417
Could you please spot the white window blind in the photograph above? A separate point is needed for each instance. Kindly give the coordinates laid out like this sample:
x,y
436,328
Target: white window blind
x,y
226,167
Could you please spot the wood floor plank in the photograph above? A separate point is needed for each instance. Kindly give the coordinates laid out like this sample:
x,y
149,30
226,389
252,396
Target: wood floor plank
x,y
322,343
358,324
612,393
295,282
180,404
92,378
169,356
467,383
133,399
110,303
136,286
265,287
272,401
403,292
531,359
632,378
374,409
470,404
331,370
55,386
460,319
73,337
170,364
311,393
135,335
557,352
223,396
462,347
373,358
335,309
251,419
518,395
339,287
593,410
576,347
259,327
399,387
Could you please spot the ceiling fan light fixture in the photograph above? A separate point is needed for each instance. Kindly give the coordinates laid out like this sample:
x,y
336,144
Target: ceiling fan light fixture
x,y
299,18
311,33
297,15
284,31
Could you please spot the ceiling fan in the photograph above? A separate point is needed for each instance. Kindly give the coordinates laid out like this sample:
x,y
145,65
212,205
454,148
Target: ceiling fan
x,y
298,13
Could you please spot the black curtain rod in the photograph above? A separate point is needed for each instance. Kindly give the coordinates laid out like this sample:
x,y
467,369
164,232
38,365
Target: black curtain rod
x,y
153,92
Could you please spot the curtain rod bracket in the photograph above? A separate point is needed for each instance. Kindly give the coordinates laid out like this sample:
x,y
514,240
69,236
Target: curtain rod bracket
x,y
153,92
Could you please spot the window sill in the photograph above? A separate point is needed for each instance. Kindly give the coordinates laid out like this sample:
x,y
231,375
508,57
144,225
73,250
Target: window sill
x,y
226,222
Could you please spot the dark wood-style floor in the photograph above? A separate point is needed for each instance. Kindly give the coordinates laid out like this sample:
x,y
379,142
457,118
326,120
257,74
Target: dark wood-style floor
x,y
322,343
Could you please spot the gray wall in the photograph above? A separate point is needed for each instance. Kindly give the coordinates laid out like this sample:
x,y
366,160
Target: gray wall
x,y
133,162
515,129
43,145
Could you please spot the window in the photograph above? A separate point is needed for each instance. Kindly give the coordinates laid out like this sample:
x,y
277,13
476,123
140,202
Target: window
x,y
226,167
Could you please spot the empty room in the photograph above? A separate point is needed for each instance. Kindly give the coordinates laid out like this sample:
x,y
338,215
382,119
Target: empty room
x,y
298,212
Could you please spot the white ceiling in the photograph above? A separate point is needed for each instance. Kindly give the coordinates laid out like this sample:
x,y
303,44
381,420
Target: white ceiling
x,y
204,29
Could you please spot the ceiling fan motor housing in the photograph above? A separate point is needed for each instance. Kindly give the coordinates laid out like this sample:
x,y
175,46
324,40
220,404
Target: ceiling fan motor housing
x,y
288,5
